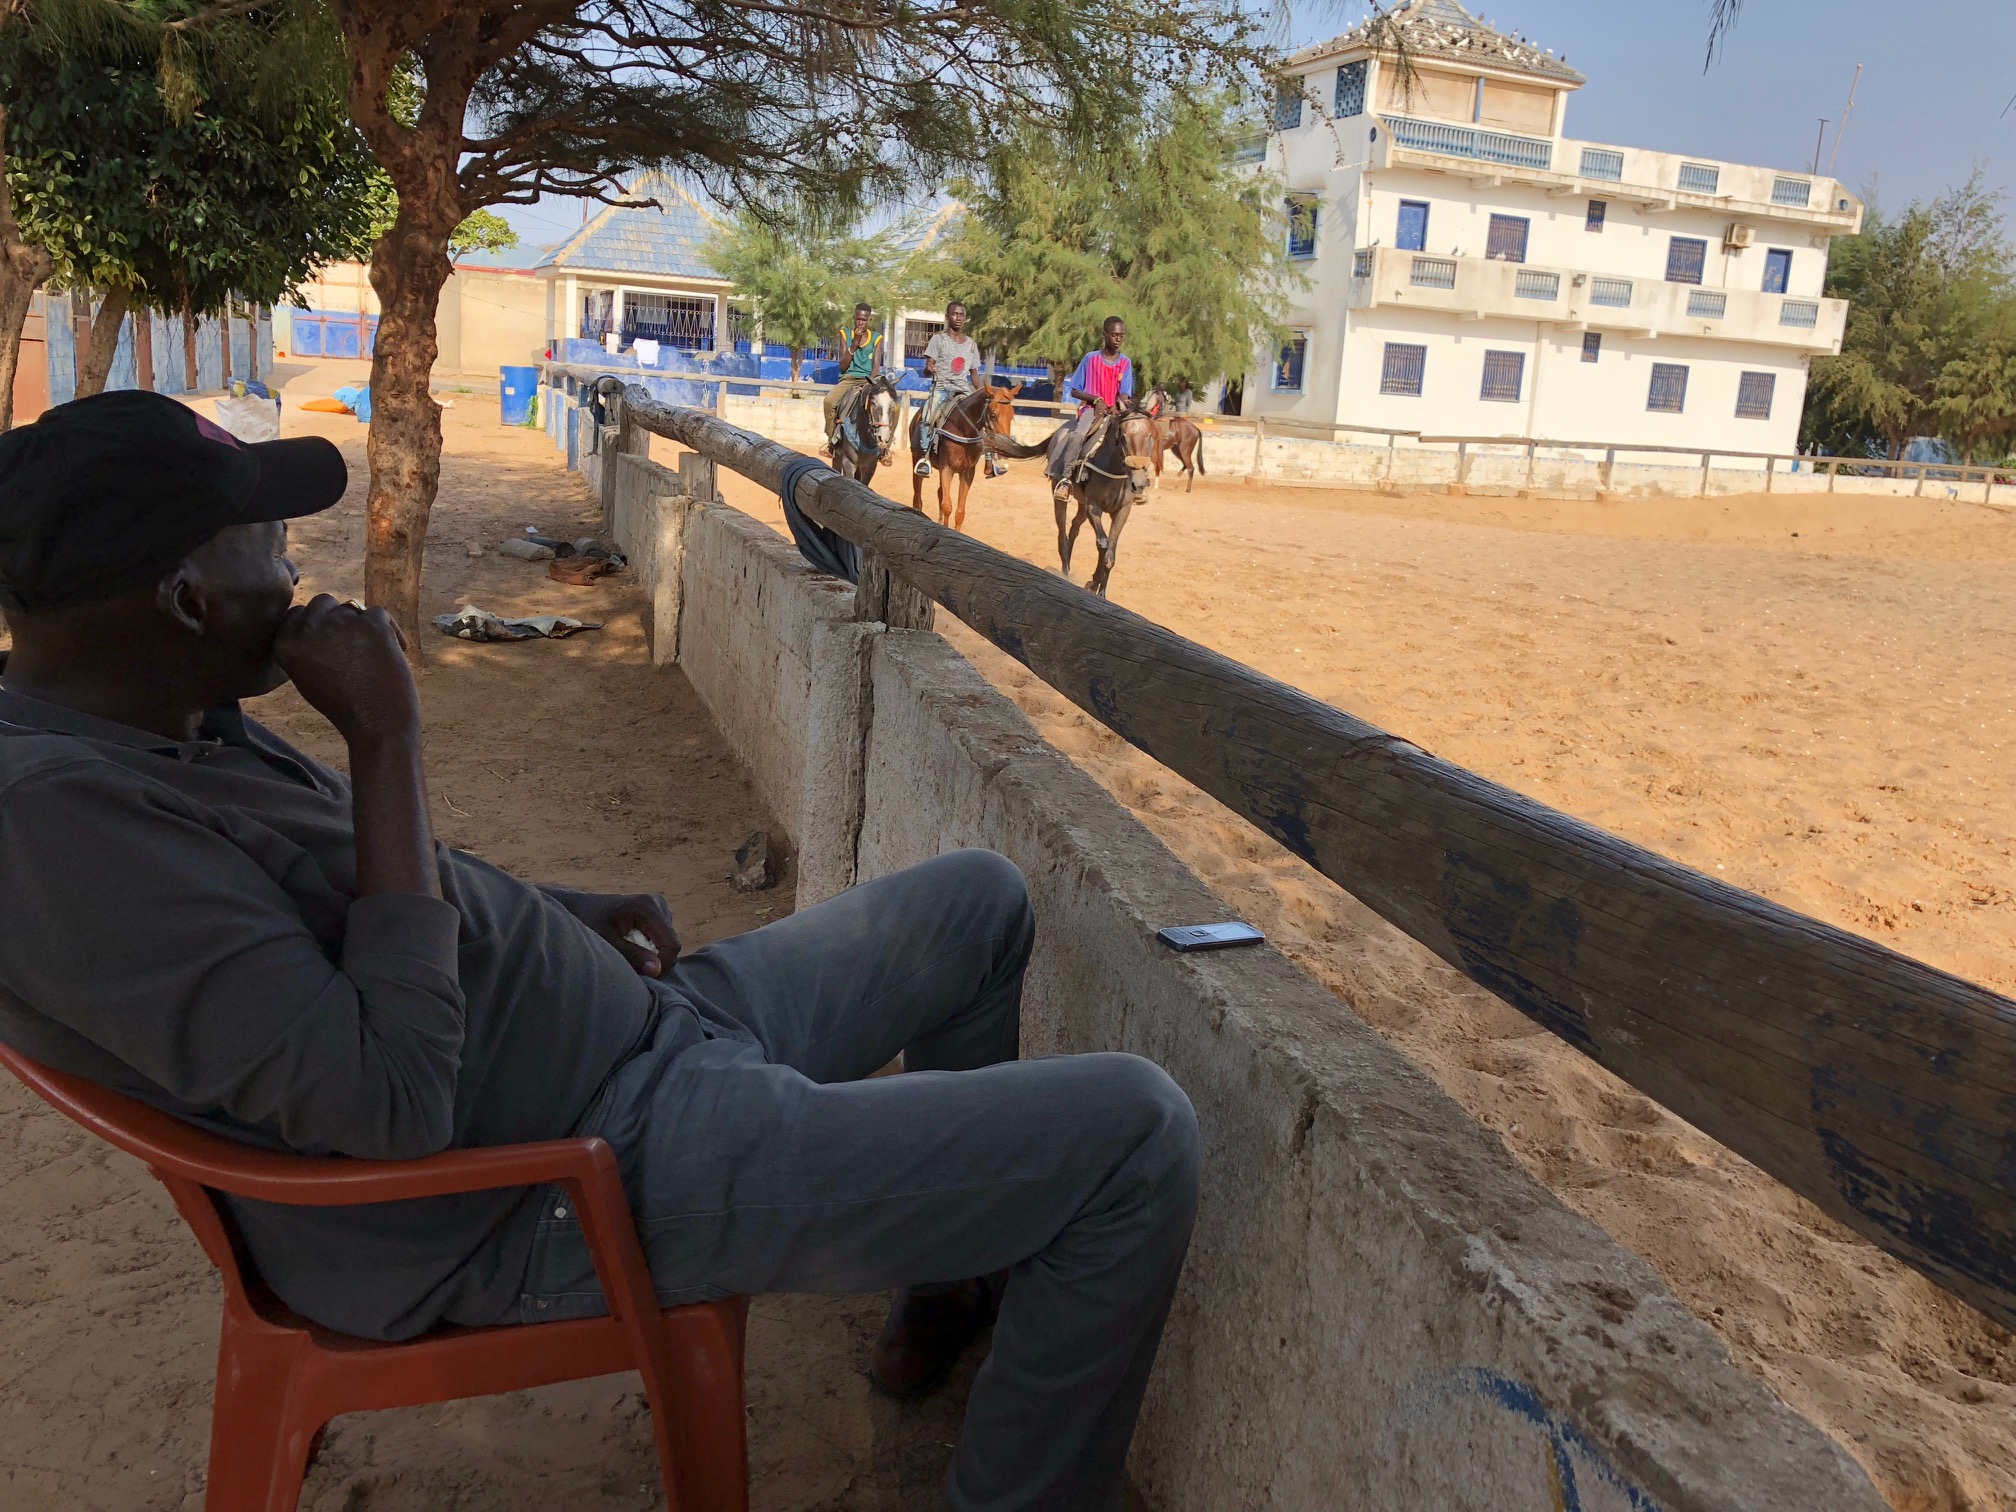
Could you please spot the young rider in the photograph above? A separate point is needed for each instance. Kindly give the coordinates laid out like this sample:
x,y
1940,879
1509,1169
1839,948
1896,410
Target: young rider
x,y
951,362
1102,379
861,350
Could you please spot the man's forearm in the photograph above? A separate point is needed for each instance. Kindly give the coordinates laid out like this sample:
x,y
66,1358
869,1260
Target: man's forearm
x,y
395,833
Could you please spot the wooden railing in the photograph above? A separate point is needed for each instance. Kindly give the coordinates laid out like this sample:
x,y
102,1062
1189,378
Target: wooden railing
x,y
1876,1086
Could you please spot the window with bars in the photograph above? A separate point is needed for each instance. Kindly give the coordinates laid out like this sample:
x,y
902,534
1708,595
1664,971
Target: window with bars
x,y
1288,364
1361,263
1795,192
1686,257
1669,388
1506,240
1777,270
1602,163
598,313
1799,312
1700,178
1531,283
1301,225
1599,211
1611,293
1351,90
1753,395
1504,375
1592,346
1288,105
670,320
1432,273
917,335
1411,232
1707,304
1403,369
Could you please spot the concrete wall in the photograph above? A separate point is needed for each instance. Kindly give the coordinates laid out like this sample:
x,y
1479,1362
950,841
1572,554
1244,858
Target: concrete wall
x,y
1368,463
490,319
1382,1310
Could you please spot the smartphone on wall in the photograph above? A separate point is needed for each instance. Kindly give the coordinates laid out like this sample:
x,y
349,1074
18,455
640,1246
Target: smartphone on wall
x,y
1209,936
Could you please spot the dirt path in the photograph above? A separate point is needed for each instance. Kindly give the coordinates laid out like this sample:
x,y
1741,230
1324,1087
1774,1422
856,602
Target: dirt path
x,y
1810,699
570,762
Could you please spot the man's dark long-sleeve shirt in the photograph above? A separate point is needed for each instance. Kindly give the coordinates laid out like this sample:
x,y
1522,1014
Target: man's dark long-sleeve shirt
x,y
181,924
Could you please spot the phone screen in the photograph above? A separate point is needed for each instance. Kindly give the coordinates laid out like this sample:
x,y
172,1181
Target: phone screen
x,y
1209,936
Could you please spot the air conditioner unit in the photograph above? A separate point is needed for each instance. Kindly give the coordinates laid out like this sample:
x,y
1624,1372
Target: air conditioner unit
x,y
1737,237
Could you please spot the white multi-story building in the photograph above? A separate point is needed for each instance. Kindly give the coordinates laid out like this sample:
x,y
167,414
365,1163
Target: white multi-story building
x,y
1474,272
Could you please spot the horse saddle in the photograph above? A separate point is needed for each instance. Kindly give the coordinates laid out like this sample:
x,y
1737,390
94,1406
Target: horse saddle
x,y
858,437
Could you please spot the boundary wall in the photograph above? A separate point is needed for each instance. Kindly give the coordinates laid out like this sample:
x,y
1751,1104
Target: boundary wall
x,y
1382,1309
1407,465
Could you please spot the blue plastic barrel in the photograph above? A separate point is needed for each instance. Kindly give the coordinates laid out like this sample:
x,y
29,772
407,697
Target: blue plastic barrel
x,y
518,389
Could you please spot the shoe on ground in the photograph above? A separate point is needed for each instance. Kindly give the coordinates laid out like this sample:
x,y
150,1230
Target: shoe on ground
x,y
925,1336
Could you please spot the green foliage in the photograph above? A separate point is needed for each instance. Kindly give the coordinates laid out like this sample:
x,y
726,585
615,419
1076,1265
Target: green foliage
x,y
1930,345
1156,224
190,182
484,231
803,274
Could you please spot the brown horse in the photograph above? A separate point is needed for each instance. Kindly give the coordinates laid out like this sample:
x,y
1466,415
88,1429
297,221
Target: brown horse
x,y
962,437
1107,483
1183,436
867,430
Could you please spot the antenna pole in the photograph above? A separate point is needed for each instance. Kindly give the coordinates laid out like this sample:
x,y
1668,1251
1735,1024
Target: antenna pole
x,y
1819,144
1840,130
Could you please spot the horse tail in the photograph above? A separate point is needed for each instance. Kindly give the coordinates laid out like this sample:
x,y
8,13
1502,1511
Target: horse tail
x,y
1008,446
1200,448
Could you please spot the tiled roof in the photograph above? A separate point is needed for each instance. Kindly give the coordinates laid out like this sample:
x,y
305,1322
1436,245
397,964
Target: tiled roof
x,y
1444,29
925,227
634,238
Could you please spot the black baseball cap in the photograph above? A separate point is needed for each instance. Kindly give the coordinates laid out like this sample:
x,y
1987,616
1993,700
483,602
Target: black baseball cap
x,y
104,494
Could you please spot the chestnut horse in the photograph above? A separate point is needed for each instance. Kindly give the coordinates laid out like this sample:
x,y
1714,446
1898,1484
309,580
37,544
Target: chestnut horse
x,y
1183,436
971,425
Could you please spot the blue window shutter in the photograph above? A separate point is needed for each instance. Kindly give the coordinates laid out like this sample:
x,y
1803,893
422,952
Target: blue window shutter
x,y
1669,388
1287,105
1351,90
1686,259
1412,235
1592,346
1777,270
1506,240
1504,376
1403,369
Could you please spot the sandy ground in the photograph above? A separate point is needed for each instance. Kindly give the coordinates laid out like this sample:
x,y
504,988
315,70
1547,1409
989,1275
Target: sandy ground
x,y
1810,699
565,761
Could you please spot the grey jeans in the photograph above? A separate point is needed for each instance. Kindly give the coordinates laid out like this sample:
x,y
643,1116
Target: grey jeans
x,y
759,1160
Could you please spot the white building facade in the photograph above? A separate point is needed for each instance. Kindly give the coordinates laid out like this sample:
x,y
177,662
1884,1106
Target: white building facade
x,y
1474,272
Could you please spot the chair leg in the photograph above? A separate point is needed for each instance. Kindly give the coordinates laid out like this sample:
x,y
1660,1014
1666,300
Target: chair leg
x,y
698,1411
260,1432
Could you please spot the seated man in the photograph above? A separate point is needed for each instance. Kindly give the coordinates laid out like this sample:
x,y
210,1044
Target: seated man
x,y
860,353
208,920
1101,380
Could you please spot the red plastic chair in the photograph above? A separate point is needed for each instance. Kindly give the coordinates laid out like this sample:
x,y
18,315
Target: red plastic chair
x,y
281,1378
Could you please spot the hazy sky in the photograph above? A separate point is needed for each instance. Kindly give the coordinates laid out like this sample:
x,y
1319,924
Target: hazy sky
x,y
1938,75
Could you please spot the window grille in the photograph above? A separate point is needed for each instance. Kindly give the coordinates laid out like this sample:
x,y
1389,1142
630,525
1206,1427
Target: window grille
x,y
1403,369
1504,375
1669,388
1753,395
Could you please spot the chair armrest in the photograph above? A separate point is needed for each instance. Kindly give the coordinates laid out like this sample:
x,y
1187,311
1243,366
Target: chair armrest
x,y
305,1181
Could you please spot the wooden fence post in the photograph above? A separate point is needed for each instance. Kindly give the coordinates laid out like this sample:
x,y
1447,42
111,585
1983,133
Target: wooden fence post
x,y
880,597
1462,463
1770,472
1833,472
1609,466
1530,446
1919,491
1705,456
1390,443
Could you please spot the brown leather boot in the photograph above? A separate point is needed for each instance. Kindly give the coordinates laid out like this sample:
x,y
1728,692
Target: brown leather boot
x,y
925,1335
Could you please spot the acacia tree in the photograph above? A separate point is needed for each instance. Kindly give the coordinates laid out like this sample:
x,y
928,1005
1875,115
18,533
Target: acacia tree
x,y
23,265
801,271
823,101
1158,225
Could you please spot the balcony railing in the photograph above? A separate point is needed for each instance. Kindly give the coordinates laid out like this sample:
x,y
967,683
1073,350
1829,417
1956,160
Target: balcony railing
x,y
1533,283
1700,178
1797,193
1804,313
1433,273
1471,142
1612,293
1709,304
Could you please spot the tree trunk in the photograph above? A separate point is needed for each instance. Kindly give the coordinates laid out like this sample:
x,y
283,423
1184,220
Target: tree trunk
x,y
189,374
409,266
224,339
143,349
22,270
94,360
797,356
